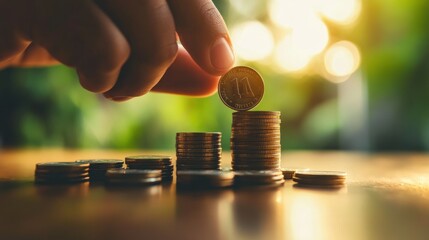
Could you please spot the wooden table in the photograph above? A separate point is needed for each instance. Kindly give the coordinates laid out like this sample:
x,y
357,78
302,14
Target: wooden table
x,y
386,197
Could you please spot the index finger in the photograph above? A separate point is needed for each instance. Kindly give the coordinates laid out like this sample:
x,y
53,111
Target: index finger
x,y
203,33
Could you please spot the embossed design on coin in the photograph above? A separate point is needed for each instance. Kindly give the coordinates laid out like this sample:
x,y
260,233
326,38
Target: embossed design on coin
x,y
241,88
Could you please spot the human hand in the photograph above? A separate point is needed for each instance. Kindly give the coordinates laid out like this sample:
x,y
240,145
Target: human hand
x,y
122,49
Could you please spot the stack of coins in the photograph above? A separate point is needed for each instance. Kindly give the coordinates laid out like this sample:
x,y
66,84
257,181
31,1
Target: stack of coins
x,y
255,140
152,162
320,178
133,177
61,172
198,150
270,178
193,179
99,167
288,173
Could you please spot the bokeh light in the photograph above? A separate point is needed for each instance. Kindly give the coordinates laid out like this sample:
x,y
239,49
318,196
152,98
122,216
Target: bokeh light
x,y
339,11
252,40
288,13
248,8
342,59
288,57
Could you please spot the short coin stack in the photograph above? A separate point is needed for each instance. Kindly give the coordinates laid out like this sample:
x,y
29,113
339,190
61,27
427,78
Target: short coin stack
x,y
99,167
270,178
320,178
133,177
255,140
198,150
61,172
288,173
152,162
196,179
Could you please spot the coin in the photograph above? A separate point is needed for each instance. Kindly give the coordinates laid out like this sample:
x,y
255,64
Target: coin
x,y
132,173
198,151
241,88
321,174
102,163
257,178
289,172
57,166
319,181
204,178
201,145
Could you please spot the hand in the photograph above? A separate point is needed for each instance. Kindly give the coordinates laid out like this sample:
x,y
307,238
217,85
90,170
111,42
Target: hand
x,y
122,49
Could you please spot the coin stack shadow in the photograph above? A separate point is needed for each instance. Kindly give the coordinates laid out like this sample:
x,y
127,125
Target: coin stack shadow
x,y
255,140
153,162
99,167
61,173
198,150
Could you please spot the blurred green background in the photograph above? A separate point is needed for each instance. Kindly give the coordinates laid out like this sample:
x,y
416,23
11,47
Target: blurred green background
x,y
346,74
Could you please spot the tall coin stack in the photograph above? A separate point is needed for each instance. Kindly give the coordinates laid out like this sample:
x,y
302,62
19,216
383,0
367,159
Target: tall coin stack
x,y
198,150
255,140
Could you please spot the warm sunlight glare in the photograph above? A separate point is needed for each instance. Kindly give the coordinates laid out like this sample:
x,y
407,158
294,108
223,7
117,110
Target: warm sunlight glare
x,y
288,13
252,41
339,11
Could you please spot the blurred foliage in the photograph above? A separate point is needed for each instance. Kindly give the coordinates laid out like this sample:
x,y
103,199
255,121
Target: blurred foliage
x,y
47,106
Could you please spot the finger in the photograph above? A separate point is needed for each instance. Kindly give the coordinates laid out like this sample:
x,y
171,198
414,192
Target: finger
x,y
81,36
203,33
12,42
35,56
148,25
185,77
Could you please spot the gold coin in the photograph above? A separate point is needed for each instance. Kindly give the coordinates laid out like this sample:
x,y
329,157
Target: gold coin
x,y
241,88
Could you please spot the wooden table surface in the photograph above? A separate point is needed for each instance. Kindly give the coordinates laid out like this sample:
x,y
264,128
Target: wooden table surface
x,y
386,197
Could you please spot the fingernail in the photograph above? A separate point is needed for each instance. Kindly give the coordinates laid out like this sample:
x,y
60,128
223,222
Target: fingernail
x,y
221,55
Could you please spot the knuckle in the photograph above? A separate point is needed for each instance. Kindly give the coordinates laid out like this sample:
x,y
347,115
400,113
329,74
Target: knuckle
x,y
209,11
159,56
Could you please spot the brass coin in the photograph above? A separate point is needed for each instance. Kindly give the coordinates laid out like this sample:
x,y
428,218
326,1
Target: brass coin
x,y
319,181
198,159
198,151
143,158
241,88
102,163
256,113
266,168
132,173
209,154
255,147
62,166
197,135
202,145
320,175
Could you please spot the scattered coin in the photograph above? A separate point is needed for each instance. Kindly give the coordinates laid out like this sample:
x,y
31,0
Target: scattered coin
x,y
320,178
241,88
289,172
